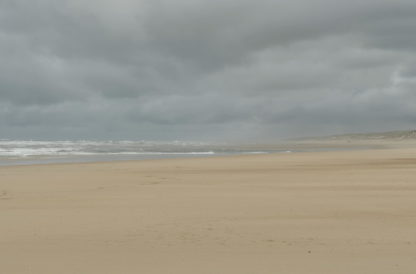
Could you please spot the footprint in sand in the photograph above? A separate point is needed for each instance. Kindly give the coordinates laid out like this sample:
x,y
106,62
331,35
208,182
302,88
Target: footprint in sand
x,y
4,195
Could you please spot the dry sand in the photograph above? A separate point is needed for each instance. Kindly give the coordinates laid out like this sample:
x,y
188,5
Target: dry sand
x,y
327,212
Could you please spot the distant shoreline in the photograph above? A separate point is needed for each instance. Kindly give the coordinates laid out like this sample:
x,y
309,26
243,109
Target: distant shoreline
x,y
231,151
47,152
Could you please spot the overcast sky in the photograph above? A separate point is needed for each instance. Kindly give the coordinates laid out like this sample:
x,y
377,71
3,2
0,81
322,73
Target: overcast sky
x,y
205,69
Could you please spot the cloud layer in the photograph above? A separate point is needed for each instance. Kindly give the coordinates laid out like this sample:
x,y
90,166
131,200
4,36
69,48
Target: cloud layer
x,y
209,70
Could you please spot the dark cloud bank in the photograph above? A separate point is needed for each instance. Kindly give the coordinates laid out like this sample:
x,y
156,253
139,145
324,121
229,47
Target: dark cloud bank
x,y
208,70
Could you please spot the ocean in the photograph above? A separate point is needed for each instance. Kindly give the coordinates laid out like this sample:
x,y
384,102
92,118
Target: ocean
x,y
17,152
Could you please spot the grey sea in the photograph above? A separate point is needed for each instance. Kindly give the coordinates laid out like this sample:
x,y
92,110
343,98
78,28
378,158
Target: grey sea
x,y
17,152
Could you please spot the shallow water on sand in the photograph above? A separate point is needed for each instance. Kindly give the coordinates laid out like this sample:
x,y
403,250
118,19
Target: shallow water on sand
x,y
14,152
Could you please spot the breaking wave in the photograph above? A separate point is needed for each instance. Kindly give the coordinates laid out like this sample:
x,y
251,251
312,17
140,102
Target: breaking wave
x,y
79,148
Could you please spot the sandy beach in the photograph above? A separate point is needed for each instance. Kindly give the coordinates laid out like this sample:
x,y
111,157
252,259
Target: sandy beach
x,y
318,212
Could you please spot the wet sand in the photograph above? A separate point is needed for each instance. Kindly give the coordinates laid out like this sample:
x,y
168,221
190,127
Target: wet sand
x,y
317,212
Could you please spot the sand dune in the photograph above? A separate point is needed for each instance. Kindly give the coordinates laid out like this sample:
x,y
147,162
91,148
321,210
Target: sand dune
x,y
326,212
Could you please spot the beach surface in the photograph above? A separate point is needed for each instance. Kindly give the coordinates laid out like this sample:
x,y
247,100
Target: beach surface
x,y
318,212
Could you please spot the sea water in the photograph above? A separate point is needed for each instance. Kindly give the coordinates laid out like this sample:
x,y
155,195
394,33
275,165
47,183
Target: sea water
x,y
18,152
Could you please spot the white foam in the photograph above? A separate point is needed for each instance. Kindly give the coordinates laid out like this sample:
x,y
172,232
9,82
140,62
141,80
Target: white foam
x,y
18,148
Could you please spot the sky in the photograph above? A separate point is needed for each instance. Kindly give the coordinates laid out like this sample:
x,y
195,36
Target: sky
x,y
223,70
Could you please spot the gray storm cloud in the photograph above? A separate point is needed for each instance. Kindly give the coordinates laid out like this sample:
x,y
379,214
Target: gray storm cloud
x,y
210,70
